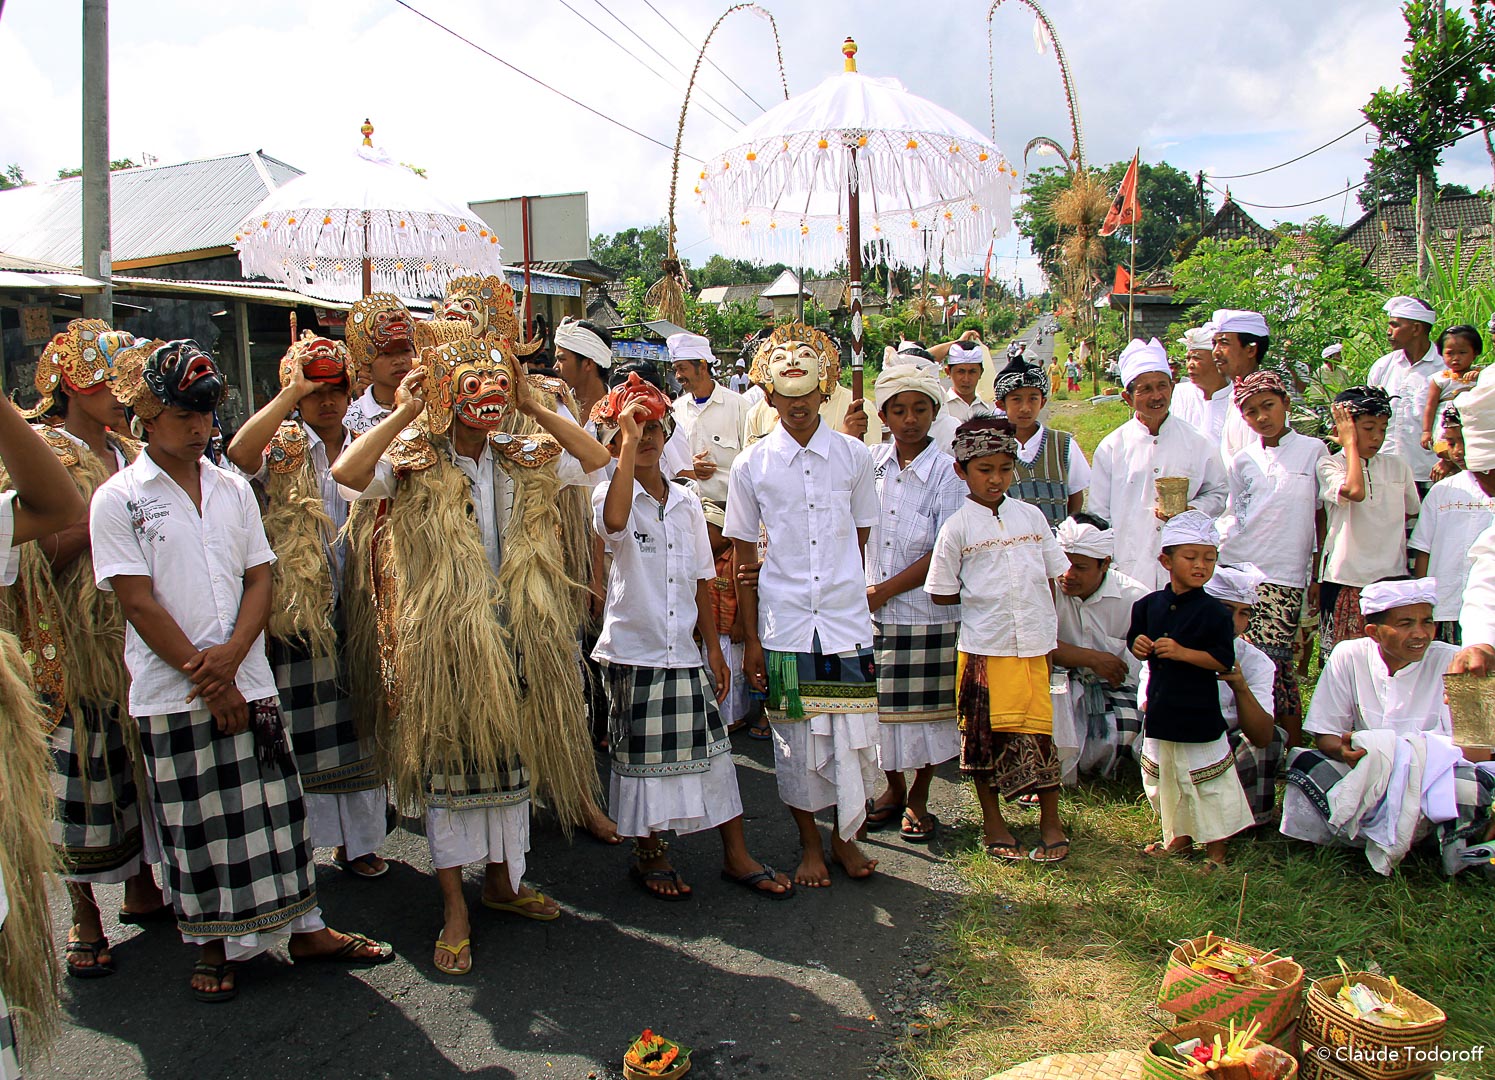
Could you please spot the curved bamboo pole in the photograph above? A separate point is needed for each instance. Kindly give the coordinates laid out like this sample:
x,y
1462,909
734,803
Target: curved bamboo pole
x,y
1070,98
668,293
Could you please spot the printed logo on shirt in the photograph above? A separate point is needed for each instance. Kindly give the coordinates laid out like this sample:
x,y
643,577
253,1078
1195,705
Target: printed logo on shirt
x,y
646,543
147,516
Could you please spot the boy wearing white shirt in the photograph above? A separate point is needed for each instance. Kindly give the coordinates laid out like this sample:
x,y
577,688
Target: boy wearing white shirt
x,y
179,540
671,757
710,418
1269,522
1153,444
1457,510
807,625
1404,373
381,351
1052,473
1391,680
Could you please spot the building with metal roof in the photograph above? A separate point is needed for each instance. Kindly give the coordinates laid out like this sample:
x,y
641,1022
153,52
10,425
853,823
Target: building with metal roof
x,y
1386,237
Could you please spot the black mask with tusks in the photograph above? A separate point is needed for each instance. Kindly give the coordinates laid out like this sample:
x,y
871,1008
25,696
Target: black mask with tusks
x,y
182,376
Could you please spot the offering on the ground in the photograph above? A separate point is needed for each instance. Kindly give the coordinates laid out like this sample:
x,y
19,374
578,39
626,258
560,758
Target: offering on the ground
x,y
654,1057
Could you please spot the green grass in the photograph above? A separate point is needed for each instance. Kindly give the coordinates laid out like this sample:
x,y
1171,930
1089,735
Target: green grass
x,y
1086,422
1069,958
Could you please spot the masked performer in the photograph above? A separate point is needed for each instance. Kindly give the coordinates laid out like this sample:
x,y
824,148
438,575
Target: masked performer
x,y
180,542
468,575
73,637
289,447
381,352
41,502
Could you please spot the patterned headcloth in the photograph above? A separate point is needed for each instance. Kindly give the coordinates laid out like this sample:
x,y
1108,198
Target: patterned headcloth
x,y
1190,527
1017,374
983,436
1364,401
1451,416
1261,381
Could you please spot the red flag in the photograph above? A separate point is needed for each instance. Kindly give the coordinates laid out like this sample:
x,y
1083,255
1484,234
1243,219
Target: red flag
x,y
1122,286
1124,209
986,273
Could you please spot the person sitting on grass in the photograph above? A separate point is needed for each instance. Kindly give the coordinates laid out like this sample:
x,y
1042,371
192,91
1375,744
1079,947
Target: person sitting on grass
x,y
1052,473
913,638
996,557
1187,638
1256,743
1456,511
1381,726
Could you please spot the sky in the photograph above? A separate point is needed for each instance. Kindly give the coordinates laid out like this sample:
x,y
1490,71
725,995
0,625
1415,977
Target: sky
x,y
1228,86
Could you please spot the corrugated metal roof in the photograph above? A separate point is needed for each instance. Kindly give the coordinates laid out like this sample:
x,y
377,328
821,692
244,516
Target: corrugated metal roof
x,y
155,211
46,282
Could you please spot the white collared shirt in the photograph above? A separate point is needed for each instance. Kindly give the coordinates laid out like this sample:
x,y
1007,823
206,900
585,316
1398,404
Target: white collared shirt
x,y
364,413
916,500
1407,383
1269,514
1002,565
1205,414
811,500
1357,692
763,417
658,557
10,554
1078,469
1100,621
1367,540
1454,515
962,410
717,426
142,524
1477,618
1127,462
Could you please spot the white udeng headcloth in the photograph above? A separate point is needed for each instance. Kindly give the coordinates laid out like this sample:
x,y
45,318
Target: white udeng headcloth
x,y
1076,538
571,335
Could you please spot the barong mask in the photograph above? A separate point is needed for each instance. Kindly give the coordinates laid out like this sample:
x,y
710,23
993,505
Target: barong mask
x,y
487,305
322,360
375,322
470,380
82,358
656,407
173,374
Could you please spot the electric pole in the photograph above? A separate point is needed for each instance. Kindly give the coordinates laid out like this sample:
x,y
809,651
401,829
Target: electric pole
x,y
97,260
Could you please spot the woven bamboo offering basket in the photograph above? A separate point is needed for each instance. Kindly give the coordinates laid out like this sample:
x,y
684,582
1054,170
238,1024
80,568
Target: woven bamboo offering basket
x,y
1194,995
1160,1068
1173,494
1471,702
1373,1051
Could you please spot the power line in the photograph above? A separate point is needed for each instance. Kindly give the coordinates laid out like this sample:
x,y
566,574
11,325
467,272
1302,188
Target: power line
x,y
540,82
1300,157
710,61
638,59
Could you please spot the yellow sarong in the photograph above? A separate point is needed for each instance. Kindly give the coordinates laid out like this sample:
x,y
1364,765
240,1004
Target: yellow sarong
x,y
1017,689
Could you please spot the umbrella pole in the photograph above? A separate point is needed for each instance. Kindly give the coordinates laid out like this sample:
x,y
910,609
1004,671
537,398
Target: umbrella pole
x,y
854,259
368,264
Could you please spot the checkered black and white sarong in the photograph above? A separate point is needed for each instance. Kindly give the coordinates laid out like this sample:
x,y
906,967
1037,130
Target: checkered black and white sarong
x,y
234,847
1257,767
10,1062
915,669
664,721
96,830
478,791
319,715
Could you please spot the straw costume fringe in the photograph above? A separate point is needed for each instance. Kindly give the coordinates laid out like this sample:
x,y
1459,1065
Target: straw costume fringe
x,y
299,529
361,641
454,708
28,862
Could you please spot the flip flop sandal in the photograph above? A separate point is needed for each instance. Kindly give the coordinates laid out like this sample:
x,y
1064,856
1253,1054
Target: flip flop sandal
x,y
1040,854
162,914
924,828
750,882
217,971
523,906
374,870
455,951
1006,852
1159,850
882,817
348,953
643,877
91,949
1028,802
761,734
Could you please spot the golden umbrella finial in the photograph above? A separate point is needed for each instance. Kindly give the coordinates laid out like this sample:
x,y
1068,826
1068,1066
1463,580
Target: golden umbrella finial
x,y
849,50
368,130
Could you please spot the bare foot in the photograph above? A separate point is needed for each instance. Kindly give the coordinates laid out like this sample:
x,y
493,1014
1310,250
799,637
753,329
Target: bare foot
x,y
857,866
602,827
812,872
1181,845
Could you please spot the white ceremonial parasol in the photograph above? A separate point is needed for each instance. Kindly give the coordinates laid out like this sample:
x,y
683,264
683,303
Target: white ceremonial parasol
x,y
368,224
857,162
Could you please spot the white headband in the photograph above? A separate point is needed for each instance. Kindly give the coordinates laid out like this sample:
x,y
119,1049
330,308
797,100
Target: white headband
x,y
1385,595
1409,307
1477,410
689,347
964,352
1332,350
1201,337
1140,357
902,372
1085,539
1231,321
1235,583
1190,527
573,336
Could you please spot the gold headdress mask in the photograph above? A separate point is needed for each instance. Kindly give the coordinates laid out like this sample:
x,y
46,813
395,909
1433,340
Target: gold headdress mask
x,y
374,323
487,305
82,358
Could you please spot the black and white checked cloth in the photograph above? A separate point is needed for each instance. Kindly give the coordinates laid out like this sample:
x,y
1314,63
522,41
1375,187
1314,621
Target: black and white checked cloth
x,y
915,667
664,721
97,824
319,714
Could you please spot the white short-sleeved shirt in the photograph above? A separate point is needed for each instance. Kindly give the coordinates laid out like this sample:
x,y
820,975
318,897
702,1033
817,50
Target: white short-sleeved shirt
x,y
1407,383
1454,515
1002,565
961,410
1270,511
916,501
717,426
1357,692
1367,541
1078,468
1122,488
658,557
811,499
1100,621
763,417
1205,414
1477,618
142,524
1255,665
364,413
10,556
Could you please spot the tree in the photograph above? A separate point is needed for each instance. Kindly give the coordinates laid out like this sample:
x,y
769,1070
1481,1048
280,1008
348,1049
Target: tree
x,y
1393,178
1449,93
633,252
13,177
114,166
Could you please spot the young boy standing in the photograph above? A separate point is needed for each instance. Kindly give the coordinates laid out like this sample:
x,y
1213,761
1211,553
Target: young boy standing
x,y
1368,498
1052,473
1269,522
997,558
913,638
1455,513
381,353
1151,445
1187,638
807,624
179,540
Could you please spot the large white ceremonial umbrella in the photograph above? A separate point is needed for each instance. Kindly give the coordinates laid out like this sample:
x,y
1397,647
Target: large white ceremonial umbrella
x,y
857,162
367,224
